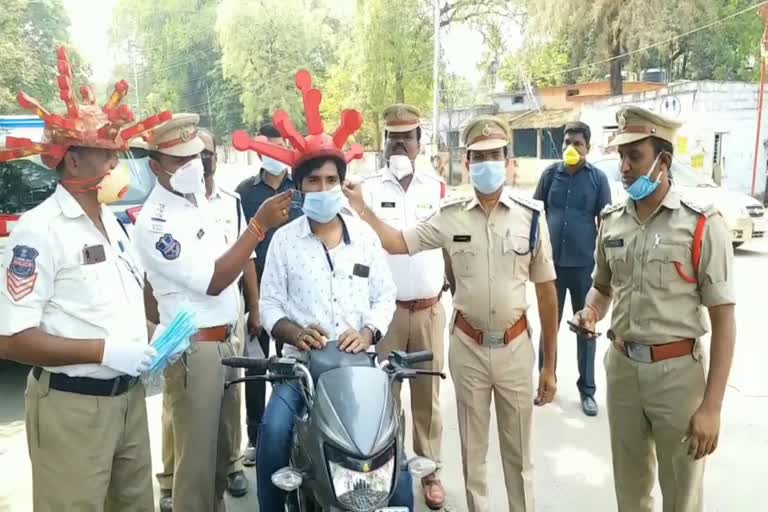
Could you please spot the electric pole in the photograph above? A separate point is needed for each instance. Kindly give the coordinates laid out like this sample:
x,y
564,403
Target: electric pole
x,y
436,81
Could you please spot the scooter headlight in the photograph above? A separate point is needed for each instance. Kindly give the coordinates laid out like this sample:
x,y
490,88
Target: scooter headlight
x,y
287,479
361,484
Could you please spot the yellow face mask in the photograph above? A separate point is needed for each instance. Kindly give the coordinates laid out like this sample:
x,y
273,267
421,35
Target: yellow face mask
x,y
571,157
114,185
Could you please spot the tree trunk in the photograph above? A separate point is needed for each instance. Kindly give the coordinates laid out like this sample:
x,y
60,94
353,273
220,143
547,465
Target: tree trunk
x,y
399,87
617,81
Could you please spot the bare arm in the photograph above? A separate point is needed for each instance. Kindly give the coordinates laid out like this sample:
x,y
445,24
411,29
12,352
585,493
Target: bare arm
x,y
721,354
36,347
272,213
391,239
449,272
546,296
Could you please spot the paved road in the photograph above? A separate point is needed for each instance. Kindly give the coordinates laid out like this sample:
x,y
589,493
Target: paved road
x,y
571,452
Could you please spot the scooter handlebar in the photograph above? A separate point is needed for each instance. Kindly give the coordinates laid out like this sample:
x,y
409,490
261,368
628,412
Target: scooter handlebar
x,y
249,363
423,356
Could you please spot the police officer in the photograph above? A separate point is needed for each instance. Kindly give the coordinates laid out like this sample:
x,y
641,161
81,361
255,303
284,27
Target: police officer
x,y
72,307
226,212
191,264
497,242
401,197
660,261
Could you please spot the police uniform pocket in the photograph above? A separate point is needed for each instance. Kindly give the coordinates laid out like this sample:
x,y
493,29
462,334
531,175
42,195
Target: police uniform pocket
x,y
517,250
618,261
669,266
464,262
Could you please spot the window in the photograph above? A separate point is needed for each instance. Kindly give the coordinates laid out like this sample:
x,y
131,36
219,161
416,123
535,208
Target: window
x,y
552,143
524,142
518,99
24,184
454,139
571,92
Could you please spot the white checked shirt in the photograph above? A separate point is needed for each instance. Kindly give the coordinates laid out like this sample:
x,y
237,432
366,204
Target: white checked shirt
x,y
420,276
178,244
51,285
349,286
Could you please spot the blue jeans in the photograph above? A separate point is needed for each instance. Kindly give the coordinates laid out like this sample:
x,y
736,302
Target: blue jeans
x,y
577,281
273,450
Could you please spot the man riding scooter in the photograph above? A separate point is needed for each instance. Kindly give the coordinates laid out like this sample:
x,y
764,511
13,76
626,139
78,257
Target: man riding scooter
x,y
326,278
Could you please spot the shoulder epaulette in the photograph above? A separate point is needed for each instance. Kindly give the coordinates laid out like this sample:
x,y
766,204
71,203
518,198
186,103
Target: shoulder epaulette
x,y
455,201
233,195
702,209
611,208
531,204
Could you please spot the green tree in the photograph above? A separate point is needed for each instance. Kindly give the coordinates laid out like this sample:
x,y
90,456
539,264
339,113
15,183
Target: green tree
x,y
264,43
31,33
173,47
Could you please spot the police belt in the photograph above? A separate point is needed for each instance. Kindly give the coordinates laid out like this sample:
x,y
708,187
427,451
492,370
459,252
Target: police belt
x,y
644,353
419,304
490,339
88,385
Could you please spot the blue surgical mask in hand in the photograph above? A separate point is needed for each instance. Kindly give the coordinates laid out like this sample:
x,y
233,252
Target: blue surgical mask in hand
x,y
323,206
488,177
173,340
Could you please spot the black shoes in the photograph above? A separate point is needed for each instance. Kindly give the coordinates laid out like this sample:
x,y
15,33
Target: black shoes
x,y
237,484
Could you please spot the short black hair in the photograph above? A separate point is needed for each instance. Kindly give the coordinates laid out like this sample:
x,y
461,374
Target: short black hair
x,y
268,130
579,127
305,168
662,146
418,134
506,153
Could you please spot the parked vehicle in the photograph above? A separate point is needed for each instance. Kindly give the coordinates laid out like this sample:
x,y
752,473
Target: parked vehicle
x,y
347,451
744,214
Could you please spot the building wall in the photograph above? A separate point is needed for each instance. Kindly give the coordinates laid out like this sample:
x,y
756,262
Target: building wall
x,y
705,109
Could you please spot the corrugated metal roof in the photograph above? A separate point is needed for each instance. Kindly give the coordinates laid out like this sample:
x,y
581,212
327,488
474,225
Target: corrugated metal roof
x,y
541,118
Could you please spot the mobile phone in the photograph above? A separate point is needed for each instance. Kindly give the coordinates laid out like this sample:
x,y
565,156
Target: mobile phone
x,y
582,330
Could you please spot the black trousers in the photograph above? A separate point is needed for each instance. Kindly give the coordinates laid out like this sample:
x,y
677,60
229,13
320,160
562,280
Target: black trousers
x,y
256,393
577,281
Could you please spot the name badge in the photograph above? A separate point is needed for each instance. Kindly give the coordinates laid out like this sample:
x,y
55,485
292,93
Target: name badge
x,y
387,205
462,238
94,254
614,242
361,270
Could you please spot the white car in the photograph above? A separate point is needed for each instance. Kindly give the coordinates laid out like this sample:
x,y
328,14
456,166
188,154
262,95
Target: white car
x,y
744,214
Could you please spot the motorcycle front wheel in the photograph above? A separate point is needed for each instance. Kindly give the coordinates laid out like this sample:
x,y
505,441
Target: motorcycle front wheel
x,y
297,502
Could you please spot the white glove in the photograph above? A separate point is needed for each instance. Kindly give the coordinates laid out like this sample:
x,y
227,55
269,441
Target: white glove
x,y
129,358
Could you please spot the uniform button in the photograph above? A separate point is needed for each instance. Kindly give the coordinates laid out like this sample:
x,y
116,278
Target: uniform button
x,y
642,227
493,311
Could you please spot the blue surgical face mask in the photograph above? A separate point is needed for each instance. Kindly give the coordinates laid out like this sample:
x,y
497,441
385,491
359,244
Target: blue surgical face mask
x,y
323,206
488,177
272,166
643,187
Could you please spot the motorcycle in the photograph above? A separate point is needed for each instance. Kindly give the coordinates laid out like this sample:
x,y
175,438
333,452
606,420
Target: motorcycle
x,y
347,449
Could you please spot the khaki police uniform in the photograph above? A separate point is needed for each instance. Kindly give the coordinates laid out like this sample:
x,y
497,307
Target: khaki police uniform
x,y
419,320
179,242
655,367
491,354
86,424
225,205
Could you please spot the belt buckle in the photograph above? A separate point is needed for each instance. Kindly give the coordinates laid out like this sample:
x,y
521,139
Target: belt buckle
x,y
638,352
493,339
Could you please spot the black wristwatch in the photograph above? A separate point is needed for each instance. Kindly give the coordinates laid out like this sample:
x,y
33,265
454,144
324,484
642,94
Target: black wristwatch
x,y
375,332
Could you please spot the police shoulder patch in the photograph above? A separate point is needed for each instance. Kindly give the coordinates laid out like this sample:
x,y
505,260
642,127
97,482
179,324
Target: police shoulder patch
x,y
611,208
531,204
455,201
169,247
702,209
21,274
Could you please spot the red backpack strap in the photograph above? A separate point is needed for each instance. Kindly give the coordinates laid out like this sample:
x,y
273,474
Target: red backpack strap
x,y
698,242
442,190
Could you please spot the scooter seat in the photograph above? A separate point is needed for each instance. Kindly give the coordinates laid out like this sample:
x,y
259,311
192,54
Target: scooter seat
x,y
330,358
